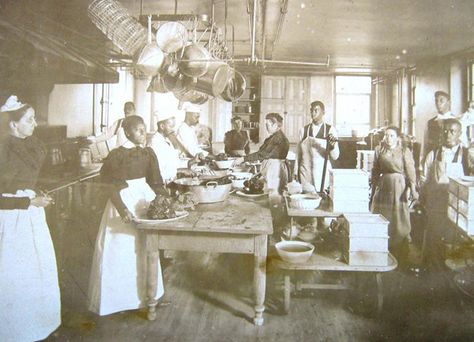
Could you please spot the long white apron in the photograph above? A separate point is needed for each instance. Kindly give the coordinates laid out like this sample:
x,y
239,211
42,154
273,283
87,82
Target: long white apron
x,y
30,305
118,275
275,173
311,163
437,194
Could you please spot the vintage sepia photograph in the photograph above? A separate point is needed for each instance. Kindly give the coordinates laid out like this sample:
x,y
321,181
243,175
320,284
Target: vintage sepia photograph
x,y
236,170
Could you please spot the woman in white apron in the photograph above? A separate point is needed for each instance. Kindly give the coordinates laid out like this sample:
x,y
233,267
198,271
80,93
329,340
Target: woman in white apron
x,y
30,307
449,160
312,148
273,154
393,179
118,275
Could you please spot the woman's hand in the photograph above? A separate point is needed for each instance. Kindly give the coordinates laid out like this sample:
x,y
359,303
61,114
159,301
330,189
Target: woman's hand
x,y
414,195
41,201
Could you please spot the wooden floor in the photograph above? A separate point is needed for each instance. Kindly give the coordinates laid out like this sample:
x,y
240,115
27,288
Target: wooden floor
x,y
208,297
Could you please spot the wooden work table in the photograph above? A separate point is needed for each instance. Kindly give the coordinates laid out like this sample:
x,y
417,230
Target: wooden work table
x,y
236,225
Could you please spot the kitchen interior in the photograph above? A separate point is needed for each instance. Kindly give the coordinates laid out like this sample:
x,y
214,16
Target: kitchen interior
x,y
289,53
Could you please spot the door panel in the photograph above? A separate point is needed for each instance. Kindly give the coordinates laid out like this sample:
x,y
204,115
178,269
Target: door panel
x,y
295,106
273,87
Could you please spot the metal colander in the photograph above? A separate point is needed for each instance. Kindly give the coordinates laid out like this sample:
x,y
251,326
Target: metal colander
x,y
118,25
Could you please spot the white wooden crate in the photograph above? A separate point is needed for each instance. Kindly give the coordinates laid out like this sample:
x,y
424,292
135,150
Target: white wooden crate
x,y
348,177
466,224
453,200
349,193
462,189
452,214
365,225
351,206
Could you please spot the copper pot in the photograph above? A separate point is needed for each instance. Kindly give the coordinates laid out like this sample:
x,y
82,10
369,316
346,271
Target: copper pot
x,y
171,36
214,81
194,60
235,87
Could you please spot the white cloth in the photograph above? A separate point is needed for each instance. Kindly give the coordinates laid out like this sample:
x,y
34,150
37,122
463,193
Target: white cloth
x,y
168,156
118,275
187,137
30,305
311,159
274,171
467,119
438,172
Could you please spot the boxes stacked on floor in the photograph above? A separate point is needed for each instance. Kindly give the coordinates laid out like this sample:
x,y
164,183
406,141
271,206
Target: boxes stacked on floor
x,y
461,203
349,190
365,239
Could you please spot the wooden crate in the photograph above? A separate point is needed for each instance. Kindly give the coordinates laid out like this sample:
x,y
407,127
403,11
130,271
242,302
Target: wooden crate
x,y
453,200
366,244
349,193
452,214
365,225
351,206
348,178
466,223
462,189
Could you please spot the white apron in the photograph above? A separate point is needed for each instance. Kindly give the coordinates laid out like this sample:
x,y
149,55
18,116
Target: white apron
x,y
437,193
311,162
30,306
276,175
118,275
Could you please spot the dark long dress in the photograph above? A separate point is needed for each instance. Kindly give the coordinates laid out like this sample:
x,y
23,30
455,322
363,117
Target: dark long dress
x,y
30,307
393,172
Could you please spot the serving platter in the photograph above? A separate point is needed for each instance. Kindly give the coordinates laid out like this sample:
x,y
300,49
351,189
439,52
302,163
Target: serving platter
x,y
254,196
180,215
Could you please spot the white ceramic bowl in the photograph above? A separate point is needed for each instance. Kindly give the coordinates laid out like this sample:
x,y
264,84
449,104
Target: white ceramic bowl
x,y
225,164
305,201
239,178
295,252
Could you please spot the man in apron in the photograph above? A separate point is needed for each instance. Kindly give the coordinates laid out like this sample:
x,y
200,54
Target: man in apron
x,y
448,160
312,148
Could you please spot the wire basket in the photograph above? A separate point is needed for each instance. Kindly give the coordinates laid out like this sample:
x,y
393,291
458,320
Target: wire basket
x,y
118,25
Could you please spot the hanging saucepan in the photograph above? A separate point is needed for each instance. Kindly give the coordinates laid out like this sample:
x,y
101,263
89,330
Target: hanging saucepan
x,y
171,36
157,85
214,81
151,57
194,61
235,87
173,83
188,95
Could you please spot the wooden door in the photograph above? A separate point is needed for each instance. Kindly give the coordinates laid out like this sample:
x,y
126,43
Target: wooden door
x,y
296,106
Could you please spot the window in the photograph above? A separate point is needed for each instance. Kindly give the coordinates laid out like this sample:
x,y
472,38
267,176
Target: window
x,y
353,105
471,81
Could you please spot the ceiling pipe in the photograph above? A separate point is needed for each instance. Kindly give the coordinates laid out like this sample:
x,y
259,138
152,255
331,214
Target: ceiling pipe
x,y
254,31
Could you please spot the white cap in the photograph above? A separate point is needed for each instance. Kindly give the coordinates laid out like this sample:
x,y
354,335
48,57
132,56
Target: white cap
x,y
162,115
191,108
11,104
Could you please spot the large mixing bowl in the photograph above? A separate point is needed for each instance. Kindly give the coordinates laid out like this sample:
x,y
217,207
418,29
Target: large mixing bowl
x,y
238,179
295,252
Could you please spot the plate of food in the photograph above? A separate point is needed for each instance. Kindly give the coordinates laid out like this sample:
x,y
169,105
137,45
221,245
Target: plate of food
x,y
244,193
179,215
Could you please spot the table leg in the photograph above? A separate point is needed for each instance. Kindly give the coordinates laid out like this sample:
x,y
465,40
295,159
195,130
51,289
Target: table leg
x,y
378,277
287,293
152,275
259,277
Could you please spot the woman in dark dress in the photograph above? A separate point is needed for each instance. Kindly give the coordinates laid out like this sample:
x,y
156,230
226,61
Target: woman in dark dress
x,y
118,278
237,141
393,180
30,307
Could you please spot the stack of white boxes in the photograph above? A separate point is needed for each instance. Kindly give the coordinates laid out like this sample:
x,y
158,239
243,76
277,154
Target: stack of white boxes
x,y
349,190
461,204
365,240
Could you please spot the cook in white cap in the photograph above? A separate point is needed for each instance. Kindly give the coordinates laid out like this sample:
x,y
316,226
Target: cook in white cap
x,y
187,133
168,155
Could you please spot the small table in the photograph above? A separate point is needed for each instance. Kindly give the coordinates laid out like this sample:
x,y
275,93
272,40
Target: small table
x,y
233,226
319,262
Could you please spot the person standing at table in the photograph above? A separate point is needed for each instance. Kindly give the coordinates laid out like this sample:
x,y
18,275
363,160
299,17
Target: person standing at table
x,y
237,141
272,153
187,133
30,306
393,182
116,129
434,128
118,279
451,159
312,148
